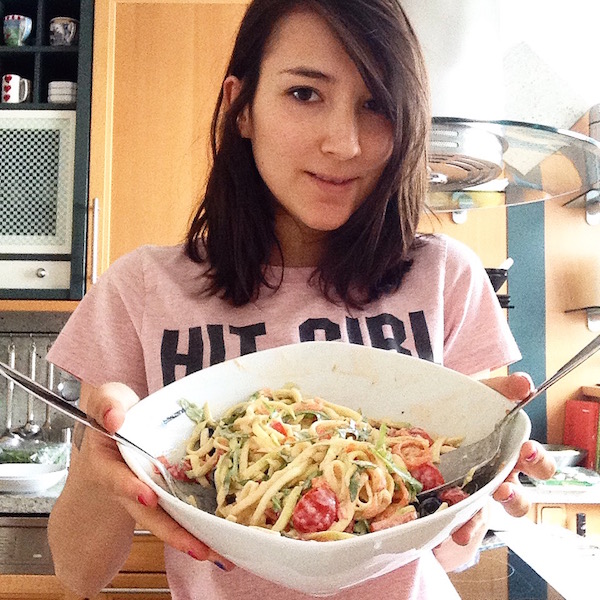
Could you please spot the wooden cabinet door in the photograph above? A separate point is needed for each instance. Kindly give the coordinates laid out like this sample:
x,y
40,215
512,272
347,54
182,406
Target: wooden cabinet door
x,y
158,66
32,587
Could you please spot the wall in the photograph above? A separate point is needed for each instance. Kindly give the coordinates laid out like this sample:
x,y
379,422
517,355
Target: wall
x,y
571,245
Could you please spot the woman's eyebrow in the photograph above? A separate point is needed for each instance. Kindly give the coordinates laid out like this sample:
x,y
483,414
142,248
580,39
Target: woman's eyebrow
x,y
306,72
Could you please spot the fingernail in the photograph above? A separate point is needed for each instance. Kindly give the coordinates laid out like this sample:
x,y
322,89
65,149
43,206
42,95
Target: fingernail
x,y
194,555
141,500
508,498
219,561
108,410
532,456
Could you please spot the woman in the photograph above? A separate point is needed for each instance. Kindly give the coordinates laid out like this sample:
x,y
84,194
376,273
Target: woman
x,y
307,231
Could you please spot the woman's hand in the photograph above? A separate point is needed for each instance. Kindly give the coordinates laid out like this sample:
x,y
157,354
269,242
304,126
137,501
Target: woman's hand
x,y
111,475
533,459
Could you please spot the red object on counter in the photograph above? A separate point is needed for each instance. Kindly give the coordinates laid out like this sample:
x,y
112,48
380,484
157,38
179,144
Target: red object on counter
x,y
582,422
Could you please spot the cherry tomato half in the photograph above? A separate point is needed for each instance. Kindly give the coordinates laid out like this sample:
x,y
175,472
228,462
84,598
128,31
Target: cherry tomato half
x,y
452,495
316,510
428,474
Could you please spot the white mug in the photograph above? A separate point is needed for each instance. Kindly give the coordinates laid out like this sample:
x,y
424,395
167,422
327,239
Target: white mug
x,y
15,89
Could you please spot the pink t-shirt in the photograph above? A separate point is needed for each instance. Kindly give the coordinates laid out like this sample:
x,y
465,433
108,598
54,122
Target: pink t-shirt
x,y
147,322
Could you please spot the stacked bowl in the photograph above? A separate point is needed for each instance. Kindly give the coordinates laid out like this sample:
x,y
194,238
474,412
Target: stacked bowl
x,y
62,92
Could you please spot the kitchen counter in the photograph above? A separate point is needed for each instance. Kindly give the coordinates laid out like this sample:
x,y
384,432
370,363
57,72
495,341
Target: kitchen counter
x,y
42,502
548,494
38,503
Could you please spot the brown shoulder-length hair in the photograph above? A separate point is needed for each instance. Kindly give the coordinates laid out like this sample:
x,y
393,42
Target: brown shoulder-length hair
x,y
233,228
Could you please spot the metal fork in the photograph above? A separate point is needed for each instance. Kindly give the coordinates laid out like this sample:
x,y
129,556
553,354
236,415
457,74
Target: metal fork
x,y
468,460
205,497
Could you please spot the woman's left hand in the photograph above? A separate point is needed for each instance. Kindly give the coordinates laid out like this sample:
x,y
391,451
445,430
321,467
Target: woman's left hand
x,y
533,459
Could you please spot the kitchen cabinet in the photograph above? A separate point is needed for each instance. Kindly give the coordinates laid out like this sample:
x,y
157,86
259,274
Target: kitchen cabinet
x,y
158,66
144,570
32,587
142,577
565,514
157,70
45,247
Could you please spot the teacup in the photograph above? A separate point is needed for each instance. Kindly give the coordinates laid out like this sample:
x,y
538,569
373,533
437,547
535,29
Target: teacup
x,y
15,89
16,29
64,31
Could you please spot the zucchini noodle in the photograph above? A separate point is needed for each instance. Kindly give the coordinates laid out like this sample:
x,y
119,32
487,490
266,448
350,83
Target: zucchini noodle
x,y
266,454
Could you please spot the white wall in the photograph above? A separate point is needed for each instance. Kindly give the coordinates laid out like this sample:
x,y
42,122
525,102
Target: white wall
x,y
525,60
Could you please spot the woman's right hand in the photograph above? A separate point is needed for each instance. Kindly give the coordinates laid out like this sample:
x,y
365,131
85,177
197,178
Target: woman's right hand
x,y
107,471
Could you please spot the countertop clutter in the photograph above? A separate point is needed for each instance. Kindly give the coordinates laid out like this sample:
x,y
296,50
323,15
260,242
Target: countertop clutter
x,y
31,504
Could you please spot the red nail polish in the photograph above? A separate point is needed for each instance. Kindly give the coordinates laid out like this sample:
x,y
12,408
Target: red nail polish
x,y
141,500
508,498
532,456
194,555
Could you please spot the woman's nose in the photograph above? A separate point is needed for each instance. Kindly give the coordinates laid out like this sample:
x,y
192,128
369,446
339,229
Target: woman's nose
x,y
341,134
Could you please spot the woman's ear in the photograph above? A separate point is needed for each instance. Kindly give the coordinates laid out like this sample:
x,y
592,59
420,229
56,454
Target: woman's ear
x,y
232,87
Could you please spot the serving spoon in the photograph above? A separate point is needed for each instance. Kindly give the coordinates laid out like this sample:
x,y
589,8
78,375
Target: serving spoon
x,y
9,438
204,497
460,466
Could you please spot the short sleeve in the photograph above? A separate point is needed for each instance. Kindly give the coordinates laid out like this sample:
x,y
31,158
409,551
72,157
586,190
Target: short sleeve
x,y
101,340
477,336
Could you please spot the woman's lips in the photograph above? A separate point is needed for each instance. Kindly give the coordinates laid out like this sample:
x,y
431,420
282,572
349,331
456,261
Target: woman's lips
x,y
332,182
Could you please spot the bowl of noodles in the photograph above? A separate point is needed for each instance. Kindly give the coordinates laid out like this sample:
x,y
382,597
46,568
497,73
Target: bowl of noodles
x,y
317,452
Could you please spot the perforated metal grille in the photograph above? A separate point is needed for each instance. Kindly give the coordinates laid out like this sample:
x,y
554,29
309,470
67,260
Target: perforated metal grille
x,y
36,183
29,182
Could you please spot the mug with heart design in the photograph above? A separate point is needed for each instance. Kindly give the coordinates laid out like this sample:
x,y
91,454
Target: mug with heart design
x,y
15,89
16,29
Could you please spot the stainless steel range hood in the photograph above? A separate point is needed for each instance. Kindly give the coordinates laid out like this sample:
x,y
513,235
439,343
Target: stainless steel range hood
x,y
480,154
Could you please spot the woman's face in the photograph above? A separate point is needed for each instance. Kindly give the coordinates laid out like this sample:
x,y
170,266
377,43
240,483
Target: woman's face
x,y
320,143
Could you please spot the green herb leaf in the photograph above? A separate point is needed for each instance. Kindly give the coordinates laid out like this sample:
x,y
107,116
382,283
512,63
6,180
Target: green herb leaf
x,y
353,485
193,411
414,485
361,527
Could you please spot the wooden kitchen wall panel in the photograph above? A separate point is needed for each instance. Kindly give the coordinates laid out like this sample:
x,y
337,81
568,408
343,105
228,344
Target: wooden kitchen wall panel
x,y
570,245
153,94
484,232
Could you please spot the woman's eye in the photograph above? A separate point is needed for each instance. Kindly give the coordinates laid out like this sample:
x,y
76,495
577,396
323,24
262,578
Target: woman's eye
x,y
305,94
373,106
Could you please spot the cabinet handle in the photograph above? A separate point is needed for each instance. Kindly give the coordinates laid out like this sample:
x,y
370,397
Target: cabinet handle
x,y
95,225
41,272
142,532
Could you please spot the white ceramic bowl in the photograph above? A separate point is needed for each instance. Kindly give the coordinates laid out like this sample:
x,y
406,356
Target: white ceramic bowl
x,y
28,478
62,98
382,384
62,84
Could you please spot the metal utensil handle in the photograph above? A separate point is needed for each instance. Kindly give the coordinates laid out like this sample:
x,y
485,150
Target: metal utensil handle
x,y
12,355
49,397
50,386
32,366
580,357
